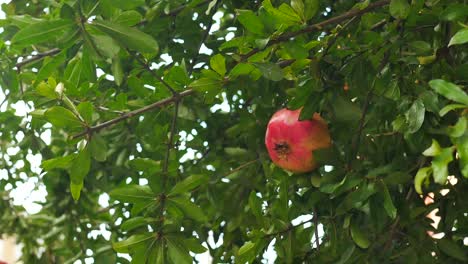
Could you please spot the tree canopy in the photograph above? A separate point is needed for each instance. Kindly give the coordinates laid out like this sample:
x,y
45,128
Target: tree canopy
x,y
149,117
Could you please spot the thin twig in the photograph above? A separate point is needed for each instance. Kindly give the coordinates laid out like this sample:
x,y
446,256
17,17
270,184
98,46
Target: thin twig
x,y
37,57
159,78
174,12
287,229
396,222
316,223
335,38
170,141
165,175
205,36
102,108
391,133
357,139
241,167
318,26
5,100
136,112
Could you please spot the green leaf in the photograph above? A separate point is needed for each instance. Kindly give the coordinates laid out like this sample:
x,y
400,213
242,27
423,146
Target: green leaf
x,y
240,69
453,12
74,72
41,32
359,237
346,254
346,111
420,47
255,205
117,70
188,184
128,37
133,194
388,203
462,150
361,5
218,64
453,249
450,107
75,189
178,253
106,45
421,176
128,18
160,254
311,8
461,37
206,85
194,245
46,90
127,5
246,248
298,7
271,71
459,128
356,198
399,8
86,110
80,166
136,222
58,163
433,150
98,148
50,66
61,117
415,116
284,14
250,21
126,245
189,208
144,164
450,91
439,165
88,66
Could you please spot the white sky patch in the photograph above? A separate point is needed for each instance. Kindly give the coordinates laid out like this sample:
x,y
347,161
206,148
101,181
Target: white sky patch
x,y
229,36
270,254
224,106
21,108
27,196
103,200
217,18
205,50
99,72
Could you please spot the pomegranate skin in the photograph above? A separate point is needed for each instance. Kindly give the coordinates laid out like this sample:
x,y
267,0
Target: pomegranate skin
x,y
290,142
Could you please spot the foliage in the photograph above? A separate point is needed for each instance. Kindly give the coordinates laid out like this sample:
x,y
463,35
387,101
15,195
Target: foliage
x,y
178,144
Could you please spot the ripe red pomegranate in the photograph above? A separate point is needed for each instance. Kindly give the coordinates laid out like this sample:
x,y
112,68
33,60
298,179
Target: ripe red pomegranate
x,y
290,142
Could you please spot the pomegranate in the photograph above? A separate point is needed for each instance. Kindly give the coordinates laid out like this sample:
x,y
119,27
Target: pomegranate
x,y
290,142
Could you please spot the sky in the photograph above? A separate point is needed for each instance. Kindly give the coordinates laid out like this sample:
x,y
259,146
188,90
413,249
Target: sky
x,y
31,191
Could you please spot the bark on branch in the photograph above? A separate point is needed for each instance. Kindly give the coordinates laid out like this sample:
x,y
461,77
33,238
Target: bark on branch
x,y
158,104
319,26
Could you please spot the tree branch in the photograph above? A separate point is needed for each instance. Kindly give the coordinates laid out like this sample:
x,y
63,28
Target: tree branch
x,y
136,112
318,26
205,36
170,142
357,139
147,68
174,12
316,223
37,57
